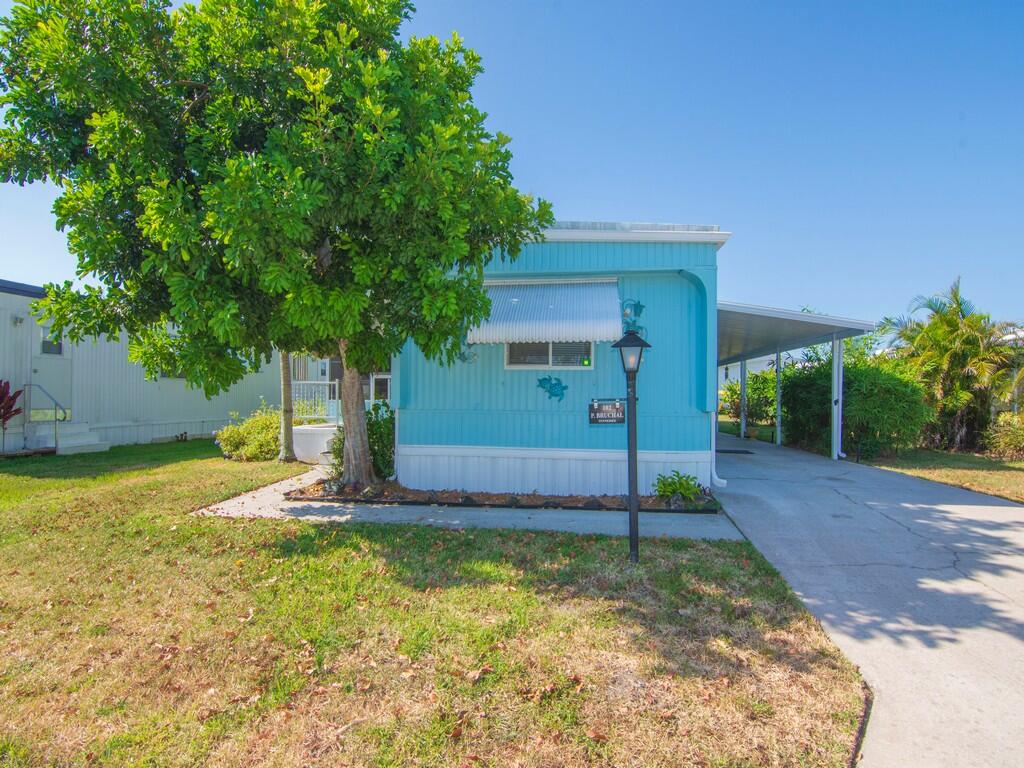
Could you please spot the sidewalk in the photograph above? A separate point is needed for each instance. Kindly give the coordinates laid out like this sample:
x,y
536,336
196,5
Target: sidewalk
x,y
269,502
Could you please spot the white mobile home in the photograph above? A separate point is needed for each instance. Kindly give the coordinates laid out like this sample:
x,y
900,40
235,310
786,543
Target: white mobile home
x,y
96,396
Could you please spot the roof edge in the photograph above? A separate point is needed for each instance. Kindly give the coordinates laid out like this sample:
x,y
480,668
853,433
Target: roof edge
x,y
634,232
22,289
792,314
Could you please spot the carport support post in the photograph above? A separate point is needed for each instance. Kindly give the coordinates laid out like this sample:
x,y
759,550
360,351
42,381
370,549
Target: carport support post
x,y
743,398
837,398
778,397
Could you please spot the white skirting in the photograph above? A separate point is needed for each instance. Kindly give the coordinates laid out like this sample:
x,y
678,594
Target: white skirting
x,y
541,470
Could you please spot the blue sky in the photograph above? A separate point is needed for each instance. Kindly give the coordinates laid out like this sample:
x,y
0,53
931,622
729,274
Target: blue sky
x,y
860,153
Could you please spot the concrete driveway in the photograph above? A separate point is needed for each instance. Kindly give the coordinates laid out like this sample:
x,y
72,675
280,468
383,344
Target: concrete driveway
x,y
920,584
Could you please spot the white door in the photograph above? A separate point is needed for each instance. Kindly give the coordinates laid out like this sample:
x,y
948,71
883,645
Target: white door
x,y
51,371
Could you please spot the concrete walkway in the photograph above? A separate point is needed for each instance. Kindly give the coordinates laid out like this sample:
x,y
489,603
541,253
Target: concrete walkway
x,y
920,584
269,502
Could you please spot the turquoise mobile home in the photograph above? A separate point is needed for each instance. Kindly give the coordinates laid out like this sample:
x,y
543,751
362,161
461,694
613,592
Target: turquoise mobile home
x,y
514,415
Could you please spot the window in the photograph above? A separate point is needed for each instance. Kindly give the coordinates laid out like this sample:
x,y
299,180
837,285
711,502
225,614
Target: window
x,y
549,354
51,347
529,353
381,386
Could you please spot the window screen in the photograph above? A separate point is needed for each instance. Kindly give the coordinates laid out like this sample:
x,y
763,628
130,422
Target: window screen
x,y
571,354
528,353
51,347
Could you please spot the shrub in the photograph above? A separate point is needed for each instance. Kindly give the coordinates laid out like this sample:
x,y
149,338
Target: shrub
x,y
380,430
667,486
337,449
883,408
885,411
1005,437
760,397
257,438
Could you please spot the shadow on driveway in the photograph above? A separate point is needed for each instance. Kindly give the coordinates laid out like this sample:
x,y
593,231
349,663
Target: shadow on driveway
x,y
921,584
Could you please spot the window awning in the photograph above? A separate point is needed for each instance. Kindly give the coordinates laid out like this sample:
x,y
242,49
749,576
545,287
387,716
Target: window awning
x,y
563,311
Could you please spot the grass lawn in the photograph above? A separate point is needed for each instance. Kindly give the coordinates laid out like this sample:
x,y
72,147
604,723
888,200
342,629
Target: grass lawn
x,y
731,426
134,633
967,470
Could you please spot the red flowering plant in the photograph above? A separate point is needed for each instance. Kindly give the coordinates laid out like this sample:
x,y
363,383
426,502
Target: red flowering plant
x,y
8,409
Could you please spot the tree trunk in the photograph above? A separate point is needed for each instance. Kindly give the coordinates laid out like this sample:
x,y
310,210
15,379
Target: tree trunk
x,y
358,465
287,452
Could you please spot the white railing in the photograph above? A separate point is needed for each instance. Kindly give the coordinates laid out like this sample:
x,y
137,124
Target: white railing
x,y
56,406
321,400
317,400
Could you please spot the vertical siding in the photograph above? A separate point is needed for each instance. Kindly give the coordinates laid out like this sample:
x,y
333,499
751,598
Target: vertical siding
x,y
605,258
114,395
15,349
479,402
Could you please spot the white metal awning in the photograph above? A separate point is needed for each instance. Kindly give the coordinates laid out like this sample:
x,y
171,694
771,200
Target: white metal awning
x,y
551,311
746,331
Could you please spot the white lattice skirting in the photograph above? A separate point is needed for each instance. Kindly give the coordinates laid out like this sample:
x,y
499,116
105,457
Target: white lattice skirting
x,y
541,470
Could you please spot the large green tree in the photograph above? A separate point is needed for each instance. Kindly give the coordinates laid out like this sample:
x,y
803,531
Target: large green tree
x,y
240,175
964,359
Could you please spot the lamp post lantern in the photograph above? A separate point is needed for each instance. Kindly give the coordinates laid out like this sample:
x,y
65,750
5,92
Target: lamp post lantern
x,y
632,347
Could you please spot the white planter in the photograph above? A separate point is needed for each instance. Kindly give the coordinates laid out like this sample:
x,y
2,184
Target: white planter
x,y
313,442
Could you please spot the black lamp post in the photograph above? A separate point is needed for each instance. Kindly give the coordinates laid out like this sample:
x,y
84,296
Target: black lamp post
x,y
632,347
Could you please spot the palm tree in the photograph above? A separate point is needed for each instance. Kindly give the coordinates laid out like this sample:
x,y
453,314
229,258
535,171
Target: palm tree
x,y
962,358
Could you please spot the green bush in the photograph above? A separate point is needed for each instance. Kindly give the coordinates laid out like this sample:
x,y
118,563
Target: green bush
x,y
883,409
1005,437
380,430
667,486
760,397
257,438
337,448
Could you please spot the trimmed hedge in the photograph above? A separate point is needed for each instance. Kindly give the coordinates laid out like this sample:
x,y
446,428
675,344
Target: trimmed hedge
x,y
883,409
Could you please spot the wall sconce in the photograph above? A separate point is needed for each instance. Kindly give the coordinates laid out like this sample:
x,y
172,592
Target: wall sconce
x,y
17,320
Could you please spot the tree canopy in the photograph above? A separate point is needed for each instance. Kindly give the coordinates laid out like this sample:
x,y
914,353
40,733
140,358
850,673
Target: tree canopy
x,y
964,359
240,175
244,174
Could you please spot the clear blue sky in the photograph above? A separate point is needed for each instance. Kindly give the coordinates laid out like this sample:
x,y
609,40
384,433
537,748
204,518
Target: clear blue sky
x,y
860,154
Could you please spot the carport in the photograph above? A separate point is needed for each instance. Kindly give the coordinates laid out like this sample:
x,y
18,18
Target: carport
x,y
746,331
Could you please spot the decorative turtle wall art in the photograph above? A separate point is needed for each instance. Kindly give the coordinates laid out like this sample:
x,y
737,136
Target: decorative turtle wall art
x,y
553,386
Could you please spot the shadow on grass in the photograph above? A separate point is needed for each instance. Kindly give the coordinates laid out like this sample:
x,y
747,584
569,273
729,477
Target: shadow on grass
x,y
923,458
122,458
700,606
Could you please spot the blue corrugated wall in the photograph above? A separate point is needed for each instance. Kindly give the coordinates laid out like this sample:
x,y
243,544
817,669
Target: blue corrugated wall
x,y
479,402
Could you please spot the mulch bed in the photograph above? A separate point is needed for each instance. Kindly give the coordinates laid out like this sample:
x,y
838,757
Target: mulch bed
x,y
393,493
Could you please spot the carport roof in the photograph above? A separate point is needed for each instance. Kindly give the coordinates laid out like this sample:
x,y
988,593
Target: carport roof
x,y
746,331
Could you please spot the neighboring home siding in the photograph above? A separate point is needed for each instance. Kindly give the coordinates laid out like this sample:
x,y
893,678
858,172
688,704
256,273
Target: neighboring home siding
x,y
112,395
120,404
